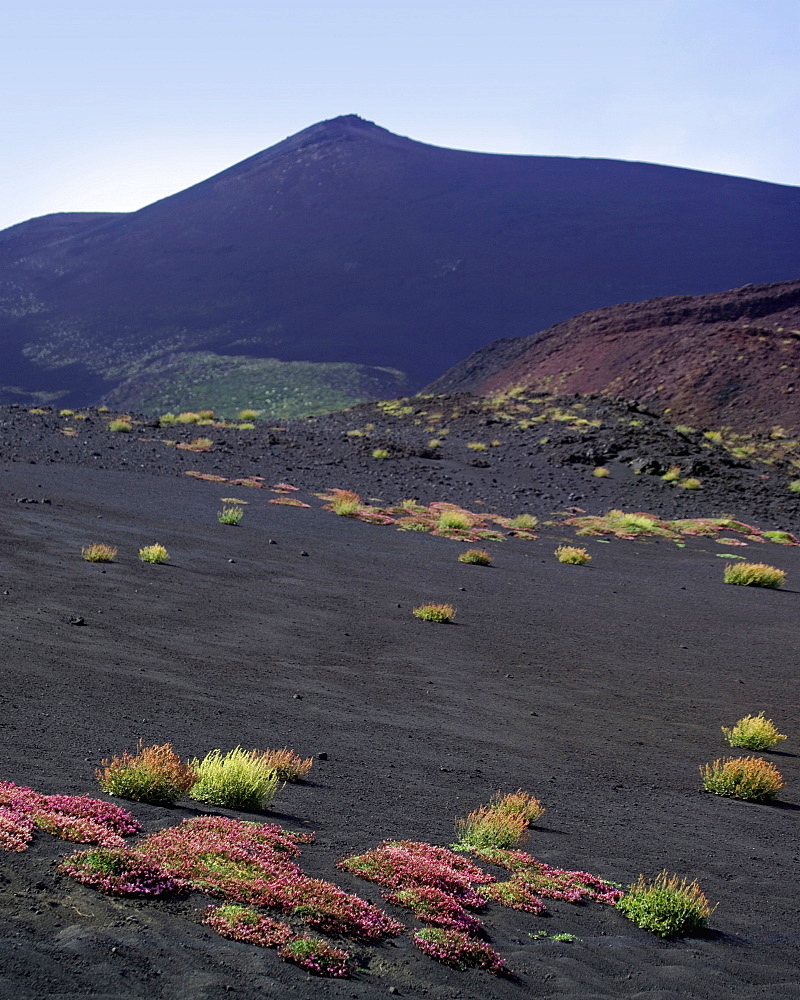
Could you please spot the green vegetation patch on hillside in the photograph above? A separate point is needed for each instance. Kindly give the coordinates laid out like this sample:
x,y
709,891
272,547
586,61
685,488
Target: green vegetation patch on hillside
x,y
280,390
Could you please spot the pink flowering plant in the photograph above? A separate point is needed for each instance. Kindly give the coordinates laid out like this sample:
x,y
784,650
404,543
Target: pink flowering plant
x,y
254,863
459,950
433,906
242,923
120,872
317,956
71,817
403,864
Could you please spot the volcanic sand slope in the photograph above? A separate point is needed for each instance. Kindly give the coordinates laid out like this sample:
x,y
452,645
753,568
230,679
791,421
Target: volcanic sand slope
x,y
730,359
346,243
600,689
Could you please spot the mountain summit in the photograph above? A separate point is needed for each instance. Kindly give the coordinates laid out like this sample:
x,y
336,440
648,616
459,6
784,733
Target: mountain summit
x,y
348,246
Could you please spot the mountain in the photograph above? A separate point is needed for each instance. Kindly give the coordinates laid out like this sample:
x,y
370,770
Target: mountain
x,y
726,360
348,245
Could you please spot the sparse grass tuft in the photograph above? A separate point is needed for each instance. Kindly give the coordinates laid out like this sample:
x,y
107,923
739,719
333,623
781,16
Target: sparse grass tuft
x,y
523,522
667,906
230,515
518,803
690,484
248,415
476,557
435,612
454,520
288,765
380,453
749,778
672,475
120,426
794,486
601,472
747,574
155,774
572,554
239,779
99,552
489,826
155,553
753,732
476,446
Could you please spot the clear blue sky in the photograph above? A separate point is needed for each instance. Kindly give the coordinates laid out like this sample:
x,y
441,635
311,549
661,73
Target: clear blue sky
x,y
105,106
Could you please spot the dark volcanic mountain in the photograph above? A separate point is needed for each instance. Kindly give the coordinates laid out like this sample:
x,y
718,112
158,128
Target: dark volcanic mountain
x,y
348,244
731,359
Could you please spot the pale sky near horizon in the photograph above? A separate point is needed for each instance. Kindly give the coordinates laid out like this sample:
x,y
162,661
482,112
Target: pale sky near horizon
x,y
109,108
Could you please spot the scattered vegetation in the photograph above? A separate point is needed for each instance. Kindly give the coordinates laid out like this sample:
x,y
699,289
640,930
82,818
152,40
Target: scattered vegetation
x,y
98,552
435,612
523,522
242,923
154,774
635,525
745,574
122,425
672,475
490,827
667,906
753,732
601,472
230,515
155,553
197,444
476,557
689,484
572,554
380,453
476,446
248,415
749,778
239,779
794,486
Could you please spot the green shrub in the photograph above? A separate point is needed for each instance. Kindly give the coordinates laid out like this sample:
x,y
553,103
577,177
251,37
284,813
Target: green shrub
x,y
230,515
99,552
119,426
572,554
601,472
794,486
476,446
489,826
435,612
690,484
380,453
668,906
155,774
749,778
753,732
475,557
153,553
672,475
747,574
248,415
239,779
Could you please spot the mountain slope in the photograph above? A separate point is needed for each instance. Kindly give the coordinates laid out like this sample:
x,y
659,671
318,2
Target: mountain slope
x,y
346,243
730,359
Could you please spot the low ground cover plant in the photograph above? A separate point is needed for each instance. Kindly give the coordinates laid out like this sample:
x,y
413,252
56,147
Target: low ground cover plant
x,y
600,472
197,444
120,872
99,552
120,426
380,453
753,732
155,774
476,557
70,817
243,923
667,906
746,574
288,765
435,906
230,515
443,613
749,778
458,950
317,956
572,554
239,779
155,553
